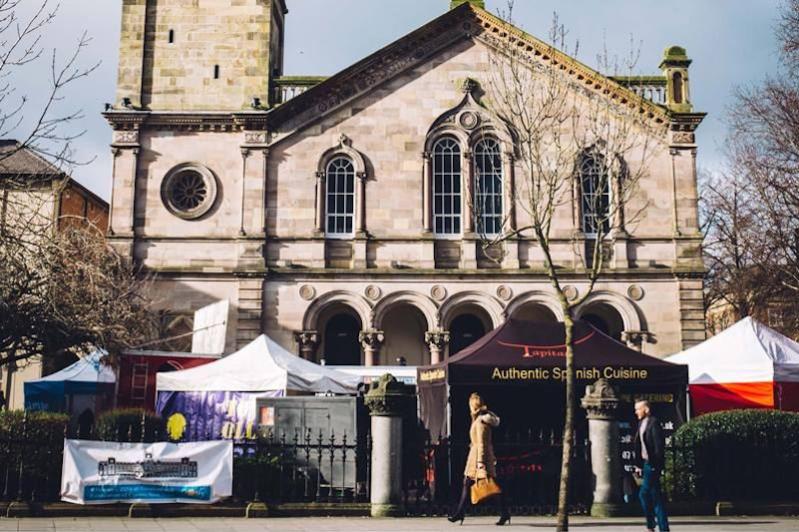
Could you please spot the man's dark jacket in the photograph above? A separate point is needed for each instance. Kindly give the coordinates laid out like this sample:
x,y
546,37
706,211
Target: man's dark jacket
x,y
655,444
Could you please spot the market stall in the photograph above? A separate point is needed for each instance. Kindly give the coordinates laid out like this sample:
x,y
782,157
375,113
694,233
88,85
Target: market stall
x,y
519,368
88,384
748,365
218,399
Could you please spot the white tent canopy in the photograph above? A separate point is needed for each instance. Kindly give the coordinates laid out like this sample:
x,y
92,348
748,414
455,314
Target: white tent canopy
x,y
745,352
262,365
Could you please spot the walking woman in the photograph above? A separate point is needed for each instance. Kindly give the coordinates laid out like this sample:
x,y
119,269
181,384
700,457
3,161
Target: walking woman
x,y
481,462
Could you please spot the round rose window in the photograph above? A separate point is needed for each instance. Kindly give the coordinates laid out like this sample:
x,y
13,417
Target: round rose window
x,y
189,191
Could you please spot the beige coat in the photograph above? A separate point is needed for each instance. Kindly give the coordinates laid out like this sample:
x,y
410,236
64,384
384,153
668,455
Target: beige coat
x,y
481,449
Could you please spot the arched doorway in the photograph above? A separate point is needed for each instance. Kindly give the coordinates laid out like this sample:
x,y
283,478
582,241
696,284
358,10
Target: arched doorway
x,y
404,326
469,325
534,312
340,346
605,318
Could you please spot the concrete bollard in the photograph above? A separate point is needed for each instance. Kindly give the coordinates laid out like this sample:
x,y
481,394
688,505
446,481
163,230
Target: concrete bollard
x,y
602,404
387,401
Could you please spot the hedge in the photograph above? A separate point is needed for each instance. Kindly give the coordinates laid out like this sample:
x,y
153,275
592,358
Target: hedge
x,y
33,443
125,424
735,455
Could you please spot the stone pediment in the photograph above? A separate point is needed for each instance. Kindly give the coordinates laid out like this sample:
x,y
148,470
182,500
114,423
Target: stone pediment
x,y
463,22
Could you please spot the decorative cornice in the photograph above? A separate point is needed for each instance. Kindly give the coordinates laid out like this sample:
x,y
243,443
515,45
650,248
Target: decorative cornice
x,y
188,121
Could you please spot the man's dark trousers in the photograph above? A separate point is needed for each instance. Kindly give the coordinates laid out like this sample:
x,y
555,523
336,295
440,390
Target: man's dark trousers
x,y
651,498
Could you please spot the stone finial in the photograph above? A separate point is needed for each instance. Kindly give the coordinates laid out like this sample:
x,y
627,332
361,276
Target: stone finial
x,y
388,397
601,400
476,3
470,86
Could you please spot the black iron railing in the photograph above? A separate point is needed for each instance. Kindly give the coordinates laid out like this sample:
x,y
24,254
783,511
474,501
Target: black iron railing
x,y
528,470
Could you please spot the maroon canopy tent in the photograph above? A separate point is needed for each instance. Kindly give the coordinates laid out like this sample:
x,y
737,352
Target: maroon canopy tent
x,y
521,366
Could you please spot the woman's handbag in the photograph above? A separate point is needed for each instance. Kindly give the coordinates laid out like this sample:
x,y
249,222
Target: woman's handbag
x,y
483,488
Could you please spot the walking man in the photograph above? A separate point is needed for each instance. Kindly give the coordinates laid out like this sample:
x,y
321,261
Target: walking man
x,y
650,456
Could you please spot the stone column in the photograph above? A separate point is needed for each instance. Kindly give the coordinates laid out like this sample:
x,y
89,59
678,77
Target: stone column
x,y
308,342
320,202
437,341
360,202
467,193
372,341
427,198
387,401
601,404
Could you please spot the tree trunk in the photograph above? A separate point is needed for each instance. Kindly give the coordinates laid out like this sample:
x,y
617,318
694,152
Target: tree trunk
x,y
568,429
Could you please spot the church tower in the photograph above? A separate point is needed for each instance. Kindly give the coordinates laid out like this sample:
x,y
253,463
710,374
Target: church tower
x,y
199,55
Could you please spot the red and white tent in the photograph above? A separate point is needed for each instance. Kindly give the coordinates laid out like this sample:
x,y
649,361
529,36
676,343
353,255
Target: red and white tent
x,y
747,365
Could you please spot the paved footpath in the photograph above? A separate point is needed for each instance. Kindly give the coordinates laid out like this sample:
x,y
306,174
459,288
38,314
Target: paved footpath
x,y
359,524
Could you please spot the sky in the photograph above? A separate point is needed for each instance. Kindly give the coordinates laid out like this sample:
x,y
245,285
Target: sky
x,y
731,43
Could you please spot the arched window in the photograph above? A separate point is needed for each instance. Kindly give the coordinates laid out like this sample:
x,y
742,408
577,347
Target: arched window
x,y
595,194
488,187
447,187
340,202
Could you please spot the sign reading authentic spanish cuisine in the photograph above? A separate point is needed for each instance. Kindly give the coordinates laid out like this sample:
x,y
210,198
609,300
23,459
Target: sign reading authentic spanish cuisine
x,y
96,472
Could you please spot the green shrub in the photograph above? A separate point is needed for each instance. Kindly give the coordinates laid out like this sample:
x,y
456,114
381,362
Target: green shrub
x,y
737,454
125,424
33,443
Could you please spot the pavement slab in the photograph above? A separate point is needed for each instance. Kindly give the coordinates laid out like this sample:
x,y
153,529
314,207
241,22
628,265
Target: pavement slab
x,y
358,524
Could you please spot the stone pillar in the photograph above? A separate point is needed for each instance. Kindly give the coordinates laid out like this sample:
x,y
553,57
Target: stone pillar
x,y
467,193
437,341
427,211
387,401
360,202
320,202
372,341
308,341
601,404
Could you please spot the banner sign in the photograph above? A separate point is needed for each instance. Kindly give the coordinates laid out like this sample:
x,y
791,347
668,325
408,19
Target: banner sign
x,y
202,416
97,472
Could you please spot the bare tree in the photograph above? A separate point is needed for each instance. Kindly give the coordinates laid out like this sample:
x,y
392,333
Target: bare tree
x,y
763,157
579,156
41,124
69,291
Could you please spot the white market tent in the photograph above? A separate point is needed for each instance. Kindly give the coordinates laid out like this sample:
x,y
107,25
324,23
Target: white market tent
x,y
748,365
87,378
260,366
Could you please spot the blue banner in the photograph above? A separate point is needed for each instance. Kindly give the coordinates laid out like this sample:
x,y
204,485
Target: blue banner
x,y
204,416
111,492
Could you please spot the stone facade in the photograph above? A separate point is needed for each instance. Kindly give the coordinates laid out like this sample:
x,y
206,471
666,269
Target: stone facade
x,y
390,288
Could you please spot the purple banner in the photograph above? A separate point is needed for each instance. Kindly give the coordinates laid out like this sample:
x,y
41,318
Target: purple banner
x,y
203,416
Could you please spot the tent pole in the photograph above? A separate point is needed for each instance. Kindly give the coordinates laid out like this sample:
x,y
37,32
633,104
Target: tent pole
x,y
687,403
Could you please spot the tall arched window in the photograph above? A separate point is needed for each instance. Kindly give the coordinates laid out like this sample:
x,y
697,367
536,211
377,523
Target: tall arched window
x,y
677,87
447,187
340,202
488,186
595,194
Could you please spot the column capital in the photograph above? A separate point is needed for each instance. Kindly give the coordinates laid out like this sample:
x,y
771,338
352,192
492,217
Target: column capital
x,y
636,339
371,338
306,338
600,401
437,338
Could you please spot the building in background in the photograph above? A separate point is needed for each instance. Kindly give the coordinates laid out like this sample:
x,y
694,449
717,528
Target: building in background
x,y
334,213
56,201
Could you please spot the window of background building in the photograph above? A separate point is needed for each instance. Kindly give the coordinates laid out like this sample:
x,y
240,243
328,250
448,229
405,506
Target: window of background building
x,y
447,187
488,187
340,203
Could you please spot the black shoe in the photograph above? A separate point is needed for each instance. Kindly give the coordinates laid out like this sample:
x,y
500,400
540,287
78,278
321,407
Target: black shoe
x,y
504,520
455,518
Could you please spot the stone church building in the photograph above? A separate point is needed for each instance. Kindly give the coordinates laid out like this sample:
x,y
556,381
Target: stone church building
x,y
332,212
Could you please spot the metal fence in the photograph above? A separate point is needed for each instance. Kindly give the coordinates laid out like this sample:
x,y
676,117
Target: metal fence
x,y
528,470
302,468
306,467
